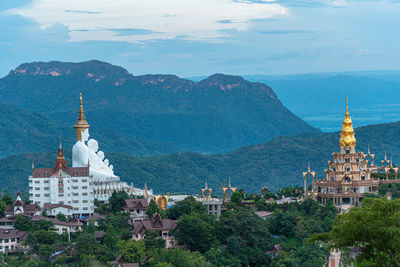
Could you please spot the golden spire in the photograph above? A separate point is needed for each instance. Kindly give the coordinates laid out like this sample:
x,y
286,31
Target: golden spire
x,y
145,191
347,135
81,124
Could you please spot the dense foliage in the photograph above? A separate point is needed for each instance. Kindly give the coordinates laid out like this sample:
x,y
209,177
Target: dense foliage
x,y
373,228
250,167
150,108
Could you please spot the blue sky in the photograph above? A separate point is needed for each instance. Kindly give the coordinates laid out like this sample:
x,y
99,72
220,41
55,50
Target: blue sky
x,y
192,37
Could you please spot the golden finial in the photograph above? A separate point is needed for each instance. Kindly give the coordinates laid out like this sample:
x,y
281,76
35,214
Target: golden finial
x,y
145,191
81,123
347,135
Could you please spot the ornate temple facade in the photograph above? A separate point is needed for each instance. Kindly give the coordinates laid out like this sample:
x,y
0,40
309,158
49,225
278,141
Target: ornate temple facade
x,y
348,176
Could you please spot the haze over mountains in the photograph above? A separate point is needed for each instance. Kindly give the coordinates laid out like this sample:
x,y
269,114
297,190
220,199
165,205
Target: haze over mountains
x,y
319,98
217,114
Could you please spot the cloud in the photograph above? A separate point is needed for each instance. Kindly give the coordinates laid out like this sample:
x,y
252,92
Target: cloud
x,y
128,32
285,32
138,20
82,11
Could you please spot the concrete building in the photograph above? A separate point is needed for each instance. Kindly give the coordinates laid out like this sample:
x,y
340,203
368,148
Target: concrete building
x,y
10,240
63,186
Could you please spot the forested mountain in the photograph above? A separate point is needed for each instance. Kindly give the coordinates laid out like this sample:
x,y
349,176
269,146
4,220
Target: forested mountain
x,y
275,164
22,131
217,114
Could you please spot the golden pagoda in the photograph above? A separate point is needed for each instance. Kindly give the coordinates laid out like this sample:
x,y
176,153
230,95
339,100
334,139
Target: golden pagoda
x,y
81,124
347,138
348,176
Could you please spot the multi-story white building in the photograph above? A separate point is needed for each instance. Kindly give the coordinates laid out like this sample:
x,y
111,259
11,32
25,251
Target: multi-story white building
x,y
70,186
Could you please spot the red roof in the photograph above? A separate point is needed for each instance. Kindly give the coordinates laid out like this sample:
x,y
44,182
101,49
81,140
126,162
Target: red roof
x,y
156,223
136,204
60,164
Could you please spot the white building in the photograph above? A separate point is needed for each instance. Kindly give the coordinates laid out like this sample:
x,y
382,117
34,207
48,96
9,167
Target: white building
x,y
64,186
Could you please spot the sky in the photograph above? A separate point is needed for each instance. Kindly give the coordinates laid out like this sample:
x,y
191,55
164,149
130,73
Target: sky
x,y
202,37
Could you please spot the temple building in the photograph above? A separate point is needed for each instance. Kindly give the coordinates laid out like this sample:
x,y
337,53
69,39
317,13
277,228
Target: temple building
x,y
86,154
348,176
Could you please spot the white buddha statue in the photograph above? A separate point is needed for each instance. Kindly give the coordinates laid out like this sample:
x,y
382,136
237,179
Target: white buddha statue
x,y
83,154
80,152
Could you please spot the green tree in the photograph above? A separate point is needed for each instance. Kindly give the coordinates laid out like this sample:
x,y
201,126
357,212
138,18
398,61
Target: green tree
x,y
196,232
46,237
31,263
153,241
218,256
6,199
132,251
22,223
237,198
152,208
110,238
187,206
177,258
45,251
2,208
86,244
374,227
117,200
61,217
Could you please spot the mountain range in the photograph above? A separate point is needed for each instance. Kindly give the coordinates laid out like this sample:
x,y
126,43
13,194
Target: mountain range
x,y
157,113
275,164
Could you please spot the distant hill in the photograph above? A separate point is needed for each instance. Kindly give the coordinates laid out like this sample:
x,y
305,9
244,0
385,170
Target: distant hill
x,y
22,131
319,98
275,164
217,114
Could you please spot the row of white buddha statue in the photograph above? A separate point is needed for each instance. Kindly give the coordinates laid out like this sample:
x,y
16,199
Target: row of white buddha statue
x,y
88,154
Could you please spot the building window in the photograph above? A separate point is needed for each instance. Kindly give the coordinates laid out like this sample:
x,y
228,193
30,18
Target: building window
x,y
347,151
347,160
84,180
37,182
46,195
37,195
84,194
46,181
12,239
84,187
363,178
46,188
357,160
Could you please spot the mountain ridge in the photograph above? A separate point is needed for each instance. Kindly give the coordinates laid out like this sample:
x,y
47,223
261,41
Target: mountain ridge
x,y
217,114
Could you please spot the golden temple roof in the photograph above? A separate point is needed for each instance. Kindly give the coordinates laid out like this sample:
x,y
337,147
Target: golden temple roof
x,y
347,135
81,124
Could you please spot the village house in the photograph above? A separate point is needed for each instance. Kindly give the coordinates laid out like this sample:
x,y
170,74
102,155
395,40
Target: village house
x,y
136,208
158,224
10,240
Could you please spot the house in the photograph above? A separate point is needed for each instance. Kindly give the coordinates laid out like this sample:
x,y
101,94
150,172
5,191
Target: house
x,y
10,240
6,223
136,208
95,218
19,207
156,223
62,227
264,214
54,209
98,235
121,262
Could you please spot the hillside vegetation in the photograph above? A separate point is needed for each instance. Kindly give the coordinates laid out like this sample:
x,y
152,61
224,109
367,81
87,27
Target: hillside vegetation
x,y
217,114
275,164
